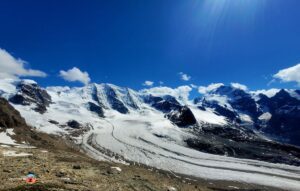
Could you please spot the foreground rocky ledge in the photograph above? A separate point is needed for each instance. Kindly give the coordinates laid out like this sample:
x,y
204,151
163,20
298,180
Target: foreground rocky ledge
x,y
66,170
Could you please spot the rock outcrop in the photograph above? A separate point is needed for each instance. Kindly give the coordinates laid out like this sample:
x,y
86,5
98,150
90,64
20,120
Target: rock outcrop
x,y
30,93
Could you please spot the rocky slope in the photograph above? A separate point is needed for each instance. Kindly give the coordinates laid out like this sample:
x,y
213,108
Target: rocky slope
x,y
14,128
275,116
9,117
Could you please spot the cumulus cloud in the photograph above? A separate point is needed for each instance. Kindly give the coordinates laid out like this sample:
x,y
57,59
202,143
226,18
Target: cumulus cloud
x,y
239,86
184,76
270,92
14,67
209,88
75,74
181,93
148,83
291,74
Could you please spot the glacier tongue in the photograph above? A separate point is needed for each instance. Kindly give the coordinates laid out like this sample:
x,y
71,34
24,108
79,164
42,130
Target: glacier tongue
x,y
154,141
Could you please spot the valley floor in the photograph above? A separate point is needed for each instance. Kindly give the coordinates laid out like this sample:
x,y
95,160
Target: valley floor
x,y
65,170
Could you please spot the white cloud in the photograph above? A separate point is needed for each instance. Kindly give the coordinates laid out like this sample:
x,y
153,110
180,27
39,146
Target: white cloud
x,y
291,74
148,83
184,76
193,86
271,82
268,93
161,82
75,74
209,88
181,93
239,86
14,68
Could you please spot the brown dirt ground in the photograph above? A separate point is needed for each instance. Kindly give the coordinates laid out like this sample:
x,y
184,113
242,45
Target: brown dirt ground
x,y
54,166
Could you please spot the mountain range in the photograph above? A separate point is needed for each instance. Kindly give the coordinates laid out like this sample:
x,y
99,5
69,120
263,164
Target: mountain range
x,y
165,129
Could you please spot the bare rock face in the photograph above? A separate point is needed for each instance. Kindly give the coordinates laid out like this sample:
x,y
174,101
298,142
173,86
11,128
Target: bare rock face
x,y
9,117
74,124
95,109
31,93
285,120
182,117
165,104
113,100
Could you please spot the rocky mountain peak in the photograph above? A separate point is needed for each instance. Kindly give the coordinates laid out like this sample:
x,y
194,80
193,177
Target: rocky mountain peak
x,y
183,117
282,94
114,99
283,98
29,92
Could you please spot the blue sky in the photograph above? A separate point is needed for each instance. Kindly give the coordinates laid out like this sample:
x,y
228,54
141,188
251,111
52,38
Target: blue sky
x,y
128,42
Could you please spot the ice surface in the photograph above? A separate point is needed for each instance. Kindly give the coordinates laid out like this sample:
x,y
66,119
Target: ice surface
x,y
155,142
208,116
